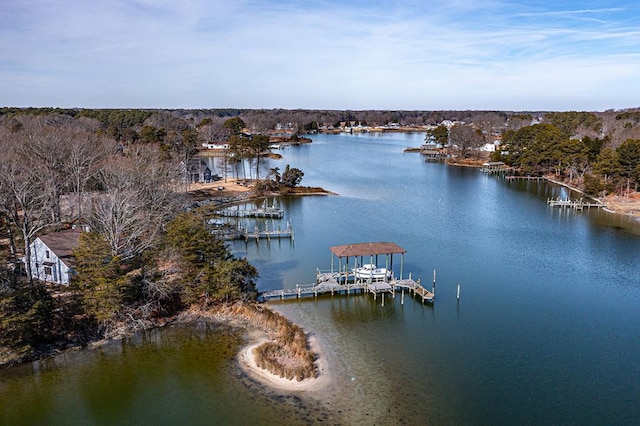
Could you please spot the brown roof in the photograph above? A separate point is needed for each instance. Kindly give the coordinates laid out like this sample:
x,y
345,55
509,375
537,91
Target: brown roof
x,y
366,249
62,243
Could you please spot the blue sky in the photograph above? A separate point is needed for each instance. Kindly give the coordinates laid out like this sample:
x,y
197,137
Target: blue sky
x,y
323,54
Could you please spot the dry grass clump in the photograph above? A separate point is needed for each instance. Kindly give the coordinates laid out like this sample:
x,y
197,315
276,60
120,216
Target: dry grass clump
x,y
288,354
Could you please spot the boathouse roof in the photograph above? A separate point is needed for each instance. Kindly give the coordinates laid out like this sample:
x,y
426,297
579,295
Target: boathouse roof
x,y
366,249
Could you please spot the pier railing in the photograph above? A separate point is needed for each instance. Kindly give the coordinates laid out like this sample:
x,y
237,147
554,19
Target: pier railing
x,y
573,204
327,282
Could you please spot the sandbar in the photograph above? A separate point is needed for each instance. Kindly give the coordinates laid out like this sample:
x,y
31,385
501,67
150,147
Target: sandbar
x,y
248,364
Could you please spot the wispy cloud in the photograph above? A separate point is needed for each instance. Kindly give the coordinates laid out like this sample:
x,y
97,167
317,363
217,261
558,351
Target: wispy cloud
x,y
325,54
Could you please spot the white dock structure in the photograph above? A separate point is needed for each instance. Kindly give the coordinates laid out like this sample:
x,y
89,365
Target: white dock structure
x,y
344,280
573,204
269,234
265,212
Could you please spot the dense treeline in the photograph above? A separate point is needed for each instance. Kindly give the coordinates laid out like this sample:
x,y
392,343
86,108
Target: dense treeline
x,y
143,260
560,147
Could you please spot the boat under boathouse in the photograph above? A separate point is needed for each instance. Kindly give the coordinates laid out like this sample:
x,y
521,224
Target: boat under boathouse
x,y
358,275
365,254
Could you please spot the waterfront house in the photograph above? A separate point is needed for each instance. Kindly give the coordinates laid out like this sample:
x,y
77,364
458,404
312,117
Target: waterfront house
x,y
196,170
52,256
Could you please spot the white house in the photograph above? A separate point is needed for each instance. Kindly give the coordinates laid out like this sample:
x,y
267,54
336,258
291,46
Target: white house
x,y
218,146
52,256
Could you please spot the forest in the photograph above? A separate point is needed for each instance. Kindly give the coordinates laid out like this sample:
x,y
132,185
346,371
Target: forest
x,y
147,256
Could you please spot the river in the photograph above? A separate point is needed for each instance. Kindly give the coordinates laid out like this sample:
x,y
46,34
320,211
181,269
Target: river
x,y
546,329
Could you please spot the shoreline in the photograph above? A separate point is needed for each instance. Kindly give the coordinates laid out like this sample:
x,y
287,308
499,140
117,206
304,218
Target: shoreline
x,y
248,364
236,191
258,332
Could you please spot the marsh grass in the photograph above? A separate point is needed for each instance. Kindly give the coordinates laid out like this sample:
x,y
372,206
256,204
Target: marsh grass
x,y
287,355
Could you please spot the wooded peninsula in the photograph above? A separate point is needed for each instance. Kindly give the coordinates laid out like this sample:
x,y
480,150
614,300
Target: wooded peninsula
x,y
143,256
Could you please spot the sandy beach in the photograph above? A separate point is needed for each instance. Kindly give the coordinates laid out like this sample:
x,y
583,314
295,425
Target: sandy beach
x,y
248,364
222,188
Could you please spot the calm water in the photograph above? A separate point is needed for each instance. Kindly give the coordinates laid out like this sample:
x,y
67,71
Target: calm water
x,y
547,329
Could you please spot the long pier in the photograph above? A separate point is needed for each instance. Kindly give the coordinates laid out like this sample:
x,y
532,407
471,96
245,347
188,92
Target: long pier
x,y
269,213
328,283
258,234
533,178
573,204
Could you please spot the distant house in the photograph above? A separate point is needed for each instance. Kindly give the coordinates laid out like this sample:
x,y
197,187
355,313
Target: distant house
x,y
218,146
52,256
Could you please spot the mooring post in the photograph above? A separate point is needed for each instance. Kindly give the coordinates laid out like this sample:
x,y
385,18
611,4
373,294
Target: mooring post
x,y
382,299
458,295
402,297
433,287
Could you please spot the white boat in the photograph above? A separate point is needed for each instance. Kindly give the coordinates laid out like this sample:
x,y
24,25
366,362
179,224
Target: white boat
x,y
370,271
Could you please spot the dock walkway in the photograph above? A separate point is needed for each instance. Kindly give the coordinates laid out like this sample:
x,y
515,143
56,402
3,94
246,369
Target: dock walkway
x,y
533,178
573,204
269,213
328,283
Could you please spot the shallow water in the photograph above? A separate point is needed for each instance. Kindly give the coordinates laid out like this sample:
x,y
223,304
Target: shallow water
x,y
183,374
546,330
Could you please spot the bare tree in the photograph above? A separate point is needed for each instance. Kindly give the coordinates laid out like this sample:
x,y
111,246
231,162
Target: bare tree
x,y
86,152
140,196
466,138
44,143
24,200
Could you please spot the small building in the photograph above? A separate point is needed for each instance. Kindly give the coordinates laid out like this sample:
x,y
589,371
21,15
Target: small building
x,y
218,146
52,256
198,171
495,167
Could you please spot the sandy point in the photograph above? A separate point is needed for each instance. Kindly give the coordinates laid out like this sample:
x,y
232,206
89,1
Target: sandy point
x,y
248,364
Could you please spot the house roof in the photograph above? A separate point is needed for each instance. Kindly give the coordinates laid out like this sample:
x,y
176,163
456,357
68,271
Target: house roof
x,y
367,249
62,243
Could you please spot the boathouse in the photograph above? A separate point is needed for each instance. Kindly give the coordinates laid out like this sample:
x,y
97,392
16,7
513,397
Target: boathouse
x,y
345,276
360,252
495,167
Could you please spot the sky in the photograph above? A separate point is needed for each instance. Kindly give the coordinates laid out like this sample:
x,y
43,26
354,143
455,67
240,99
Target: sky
x,y
323,54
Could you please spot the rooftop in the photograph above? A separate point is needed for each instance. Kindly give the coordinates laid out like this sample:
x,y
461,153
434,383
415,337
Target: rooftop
x,y
367,249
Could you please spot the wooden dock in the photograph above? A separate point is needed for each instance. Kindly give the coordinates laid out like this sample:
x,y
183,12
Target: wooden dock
x,y
267,213
328,284
573,204
496,168
533,178
240,233
268,234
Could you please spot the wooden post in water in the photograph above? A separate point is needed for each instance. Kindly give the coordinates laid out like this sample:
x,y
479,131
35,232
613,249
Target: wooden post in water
x,y
433,287
402,297
458,295
383,299
413,288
